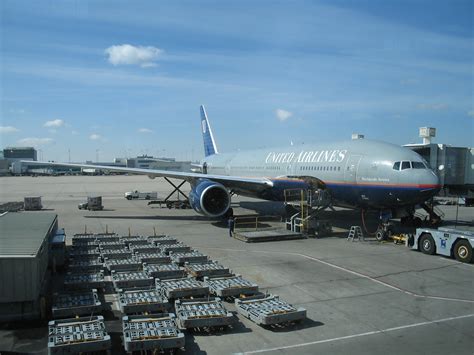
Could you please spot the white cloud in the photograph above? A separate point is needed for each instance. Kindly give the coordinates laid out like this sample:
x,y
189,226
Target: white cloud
x,y
283,115
470,113
434,107
35,142
145,130
95,137
54,123
131,55
8,129
74,133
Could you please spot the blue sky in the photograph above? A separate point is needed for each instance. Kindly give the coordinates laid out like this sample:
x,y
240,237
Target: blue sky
x,y
121,78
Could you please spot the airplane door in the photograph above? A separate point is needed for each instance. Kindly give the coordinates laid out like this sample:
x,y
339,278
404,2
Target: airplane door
x,y
352,165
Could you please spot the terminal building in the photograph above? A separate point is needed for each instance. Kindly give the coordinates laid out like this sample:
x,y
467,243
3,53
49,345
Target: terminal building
x,y
24,253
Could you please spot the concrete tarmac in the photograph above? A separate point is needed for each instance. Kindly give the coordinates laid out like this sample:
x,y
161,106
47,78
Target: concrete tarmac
x,y
361,297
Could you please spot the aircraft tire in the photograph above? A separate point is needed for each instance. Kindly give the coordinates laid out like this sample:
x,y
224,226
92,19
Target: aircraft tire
x,y
427,244
463,251
380,235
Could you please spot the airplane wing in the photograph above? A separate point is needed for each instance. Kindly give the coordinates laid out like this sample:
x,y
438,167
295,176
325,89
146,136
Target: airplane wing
x,y
231,182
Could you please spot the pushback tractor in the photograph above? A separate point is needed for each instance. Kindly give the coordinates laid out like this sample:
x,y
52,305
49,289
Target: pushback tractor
x,y
444,241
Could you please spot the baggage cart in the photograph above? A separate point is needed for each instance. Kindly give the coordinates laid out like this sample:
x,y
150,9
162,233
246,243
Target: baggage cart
x,y
144,248
202,312
175,248
78,335
163,239
86,264
127,264
152,258
180,288
76,304
151,332
78,281
210,268
137,301
124,280
164,271
116,253
192,256
230,286
268,310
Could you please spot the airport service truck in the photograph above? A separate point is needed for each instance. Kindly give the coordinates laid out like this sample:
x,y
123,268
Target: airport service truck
x,y
94,203
444,241
132,195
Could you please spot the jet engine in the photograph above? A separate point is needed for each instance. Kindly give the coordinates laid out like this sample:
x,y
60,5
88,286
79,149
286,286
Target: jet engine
x,y
209,198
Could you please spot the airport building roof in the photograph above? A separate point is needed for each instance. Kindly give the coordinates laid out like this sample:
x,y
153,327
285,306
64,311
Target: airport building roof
x,y
23,233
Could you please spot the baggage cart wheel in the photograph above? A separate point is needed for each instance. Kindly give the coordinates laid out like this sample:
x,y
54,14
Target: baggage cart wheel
x,y
463,251
427,244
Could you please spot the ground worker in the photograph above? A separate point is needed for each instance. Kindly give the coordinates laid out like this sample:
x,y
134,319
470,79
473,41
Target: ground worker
x,y
231,224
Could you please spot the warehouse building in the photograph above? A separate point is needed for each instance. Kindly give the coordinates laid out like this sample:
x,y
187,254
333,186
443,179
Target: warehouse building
x,y
24,277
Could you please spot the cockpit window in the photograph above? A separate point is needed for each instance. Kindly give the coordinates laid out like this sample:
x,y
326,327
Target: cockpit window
x,y
396,165
418,165
405,165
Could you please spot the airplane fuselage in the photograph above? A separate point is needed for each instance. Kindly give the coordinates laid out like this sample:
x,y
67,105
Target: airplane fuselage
x,y
358,173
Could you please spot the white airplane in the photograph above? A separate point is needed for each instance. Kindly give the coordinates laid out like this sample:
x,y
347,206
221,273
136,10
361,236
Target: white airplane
x,y
358,173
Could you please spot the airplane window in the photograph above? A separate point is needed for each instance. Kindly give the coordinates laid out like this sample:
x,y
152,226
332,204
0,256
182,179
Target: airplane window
x,y
396,166
339,169
405,165
417,165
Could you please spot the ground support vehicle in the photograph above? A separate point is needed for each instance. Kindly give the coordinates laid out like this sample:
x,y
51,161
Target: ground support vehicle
x,y
268,310
202,313
137,195
230,286
94,203
78,335
138,301
76,304
151,332
451,242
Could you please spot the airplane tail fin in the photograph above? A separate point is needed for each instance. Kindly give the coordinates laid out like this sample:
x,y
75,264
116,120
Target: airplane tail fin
x,y
210,147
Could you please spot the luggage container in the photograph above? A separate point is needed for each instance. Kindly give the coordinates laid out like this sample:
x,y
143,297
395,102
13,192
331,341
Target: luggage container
x,y
123,280
78,335
32,203
153,258
77,281
116,264
179,288
268,310
192,256
137,301
230,286
152,332
175,248
164,271
76,304
210,268
202,312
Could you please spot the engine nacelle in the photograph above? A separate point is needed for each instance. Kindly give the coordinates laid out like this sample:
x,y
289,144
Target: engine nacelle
x,y
209,198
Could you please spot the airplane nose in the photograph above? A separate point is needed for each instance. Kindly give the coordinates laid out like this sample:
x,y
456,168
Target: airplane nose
x,y
430,184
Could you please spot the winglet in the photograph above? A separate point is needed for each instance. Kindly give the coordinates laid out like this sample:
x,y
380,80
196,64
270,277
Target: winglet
x,y
210,147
